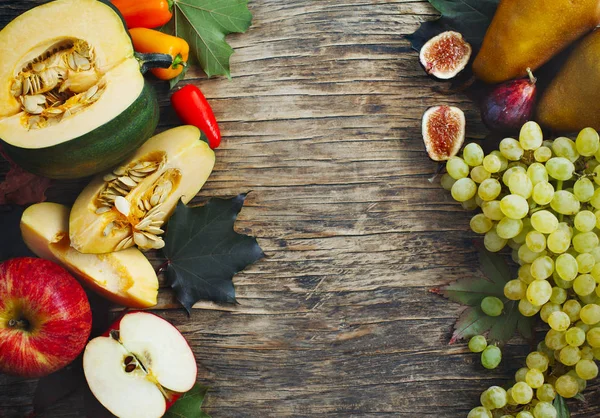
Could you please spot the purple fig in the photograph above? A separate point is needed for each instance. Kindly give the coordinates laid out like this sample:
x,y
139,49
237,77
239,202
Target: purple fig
x,y
506,108
445,55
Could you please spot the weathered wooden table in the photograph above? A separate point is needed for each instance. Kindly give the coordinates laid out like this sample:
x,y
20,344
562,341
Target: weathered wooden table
x,y
321,121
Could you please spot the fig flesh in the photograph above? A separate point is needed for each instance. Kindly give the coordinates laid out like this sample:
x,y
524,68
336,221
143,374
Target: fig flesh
x,y
445,55
443,131
506,108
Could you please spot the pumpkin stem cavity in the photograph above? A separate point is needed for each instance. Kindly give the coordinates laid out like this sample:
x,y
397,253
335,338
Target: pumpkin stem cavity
x,y
61,81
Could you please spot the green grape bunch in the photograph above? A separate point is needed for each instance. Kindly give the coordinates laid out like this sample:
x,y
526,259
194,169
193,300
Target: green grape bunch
x,y
541,199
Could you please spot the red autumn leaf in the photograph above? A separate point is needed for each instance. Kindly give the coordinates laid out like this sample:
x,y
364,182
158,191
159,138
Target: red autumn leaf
x,y
21,187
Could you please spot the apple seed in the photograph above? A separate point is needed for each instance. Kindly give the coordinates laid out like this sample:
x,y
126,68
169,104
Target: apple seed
x,y
130,367
128,359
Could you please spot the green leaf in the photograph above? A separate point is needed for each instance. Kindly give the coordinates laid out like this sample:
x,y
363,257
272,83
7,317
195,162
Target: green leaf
x,y
204,25
561,407
204,252
470,291
189,405
469,17
173,82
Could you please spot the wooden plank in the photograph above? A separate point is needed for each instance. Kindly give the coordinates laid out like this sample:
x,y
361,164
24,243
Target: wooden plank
x,y
321,121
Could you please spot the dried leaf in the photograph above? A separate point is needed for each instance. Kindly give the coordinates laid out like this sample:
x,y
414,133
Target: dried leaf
x,y
21,187
204,252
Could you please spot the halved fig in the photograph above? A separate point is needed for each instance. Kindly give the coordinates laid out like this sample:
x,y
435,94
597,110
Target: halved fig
x,y
128,205
443,131
445,55
125,277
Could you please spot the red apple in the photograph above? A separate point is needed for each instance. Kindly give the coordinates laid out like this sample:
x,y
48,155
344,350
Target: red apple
x,y
139,366
45,317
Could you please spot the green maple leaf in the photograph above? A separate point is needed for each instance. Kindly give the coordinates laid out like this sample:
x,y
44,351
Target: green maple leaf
x,y
204,252
470,291
189,405
561,407
469,17
204,25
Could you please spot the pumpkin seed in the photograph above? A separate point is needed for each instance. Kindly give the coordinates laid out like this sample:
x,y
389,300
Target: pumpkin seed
x,y
102,209
127,181
125,243
108,228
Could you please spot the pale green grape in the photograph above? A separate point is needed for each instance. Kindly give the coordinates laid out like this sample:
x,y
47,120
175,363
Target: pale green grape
x,y
566,266
515,289
585,242
464,189
492,163
479,174
559,321
546,393
525,273
580,382
590,314
537,173
569,355
457,168
575,337
528,309
559,168
542,154
595,252
572,308
563,284
470,204
493,242
447,181
473,154
558,242
539,292
490,189
563,226
566,386
495,398
584,285
478,200
491,357
481,224
534,378
477,344
587,142
520,184
524,414
480,412
555,340
492,210
583,189
521,374
542,268
585,221
509,228
583,326
547,310
586,369
544,410
520,239
531,136
593,337
585,263
595,353
511,149
544,221
535,241
492,306
597,175
522,393
503,160
512,170
564,147
515,206
543,193
538,361
595,200
528,256
558,295
565,202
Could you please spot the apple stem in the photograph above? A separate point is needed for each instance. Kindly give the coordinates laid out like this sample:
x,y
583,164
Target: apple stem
x,y
18,323
532,79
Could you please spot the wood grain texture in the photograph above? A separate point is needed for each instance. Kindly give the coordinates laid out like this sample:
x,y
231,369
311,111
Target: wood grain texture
x,y
321,121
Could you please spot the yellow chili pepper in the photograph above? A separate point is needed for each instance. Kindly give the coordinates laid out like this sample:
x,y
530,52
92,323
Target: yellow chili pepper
x,y
150,40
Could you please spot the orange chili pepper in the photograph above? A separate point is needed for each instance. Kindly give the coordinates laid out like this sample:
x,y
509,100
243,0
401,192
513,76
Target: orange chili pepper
x,y
150,40
144,13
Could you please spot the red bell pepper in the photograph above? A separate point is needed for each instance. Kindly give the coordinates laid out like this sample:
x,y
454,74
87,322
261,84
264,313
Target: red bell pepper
x,y
193,109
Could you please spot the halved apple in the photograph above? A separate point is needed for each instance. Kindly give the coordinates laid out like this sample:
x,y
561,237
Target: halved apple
x,y
139,366
125,277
